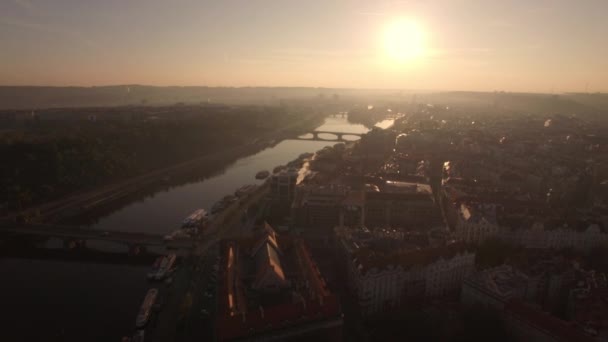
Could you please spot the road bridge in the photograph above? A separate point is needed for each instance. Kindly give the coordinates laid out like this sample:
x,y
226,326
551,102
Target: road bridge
x,y
84,234
337,136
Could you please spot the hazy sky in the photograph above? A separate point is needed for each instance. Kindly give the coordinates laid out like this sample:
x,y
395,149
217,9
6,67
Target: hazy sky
x,y
508,45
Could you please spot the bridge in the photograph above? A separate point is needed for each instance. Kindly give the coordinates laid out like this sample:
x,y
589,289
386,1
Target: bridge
x,y
339,136
76,233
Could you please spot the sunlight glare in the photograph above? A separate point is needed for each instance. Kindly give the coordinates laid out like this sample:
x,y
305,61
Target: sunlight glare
x,y
403,41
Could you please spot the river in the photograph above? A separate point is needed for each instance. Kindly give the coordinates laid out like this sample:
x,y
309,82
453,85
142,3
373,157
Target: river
x,y
164,211
47,300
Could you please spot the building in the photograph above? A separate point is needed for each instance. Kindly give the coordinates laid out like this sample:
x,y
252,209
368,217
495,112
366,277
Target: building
x,y
389,267
283,185
271,289
375,146
515,296
589,310
583,236
328,159
401,204
319,205
494,287
404,167
588,303
528,323
476,222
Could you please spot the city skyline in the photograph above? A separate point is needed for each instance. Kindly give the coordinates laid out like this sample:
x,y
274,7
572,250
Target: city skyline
x,y
473,45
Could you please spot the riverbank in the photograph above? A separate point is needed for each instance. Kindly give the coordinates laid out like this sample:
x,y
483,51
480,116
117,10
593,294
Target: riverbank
x,y
158,213
88,204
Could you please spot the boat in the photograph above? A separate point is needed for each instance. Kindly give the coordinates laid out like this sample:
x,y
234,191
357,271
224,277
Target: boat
x,y
155,267
164,269
262,174
196,219
181,238
162,266
146,306
217,207
245,190
229,199
223,204
305,155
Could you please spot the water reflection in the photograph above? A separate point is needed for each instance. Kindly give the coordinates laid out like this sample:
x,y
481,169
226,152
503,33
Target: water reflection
x,y
341,124
384,124
162,212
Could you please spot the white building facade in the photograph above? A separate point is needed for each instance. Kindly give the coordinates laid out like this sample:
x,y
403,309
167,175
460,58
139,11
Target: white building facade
x,y
387,287
538,236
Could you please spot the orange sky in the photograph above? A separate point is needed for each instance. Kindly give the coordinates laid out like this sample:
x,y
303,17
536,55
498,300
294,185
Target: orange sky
x,y
541,46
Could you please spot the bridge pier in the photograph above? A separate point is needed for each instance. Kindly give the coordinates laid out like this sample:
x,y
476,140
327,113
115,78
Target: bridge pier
x,y
135,249
71,243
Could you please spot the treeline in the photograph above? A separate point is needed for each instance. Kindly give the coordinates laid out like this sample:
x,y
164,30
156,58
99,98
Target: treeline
x,y
44,158
30,97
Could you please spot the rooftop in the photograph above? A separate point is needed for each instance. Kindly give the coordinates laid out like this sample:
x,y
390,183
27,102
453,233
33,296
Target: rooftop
x,y
407,187
503,282
391,247
270,282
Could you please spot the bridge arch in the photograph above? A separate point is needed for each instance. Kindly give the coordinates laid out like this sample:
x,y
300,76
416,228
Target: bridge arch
x,y
330,136
350,137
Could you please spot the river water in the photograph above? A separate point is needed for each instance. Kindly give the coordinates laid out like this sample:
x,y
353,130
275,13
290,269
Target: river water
x,y
164,211
48,300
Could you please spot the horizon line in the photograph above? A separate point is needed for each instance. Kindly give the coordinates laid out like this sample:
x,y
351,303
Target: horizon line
x,y
299,87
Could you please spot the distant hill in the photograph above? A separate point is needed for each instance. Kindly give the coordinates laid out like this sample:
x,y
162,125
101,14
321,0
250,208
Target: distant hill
x,y
596,100
35,97
546,104
38,97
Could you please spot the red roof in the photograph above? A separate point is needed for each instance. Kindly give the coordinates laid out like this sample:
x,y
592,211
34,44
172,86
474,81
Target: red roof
x,y
276,317
319,304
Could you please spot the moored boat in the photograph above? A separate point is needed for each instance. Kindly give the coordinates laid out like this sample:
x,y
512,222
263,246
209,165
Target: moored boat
x,y
155,267
262,174
146,306
245,190
164,269
196,219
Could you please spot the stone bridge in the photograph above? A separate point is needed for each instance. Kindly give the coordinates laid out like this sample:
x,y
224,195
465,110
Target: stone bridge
x,y
338,136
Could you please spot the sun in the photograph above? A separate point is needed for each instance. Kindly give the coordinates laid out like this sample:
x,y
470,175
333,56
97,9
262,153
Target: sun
x,y
404,41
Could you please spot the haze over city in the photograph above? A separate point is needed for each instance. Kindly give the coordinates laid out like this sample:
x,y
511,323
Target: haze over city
x,y
329,171
518,46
